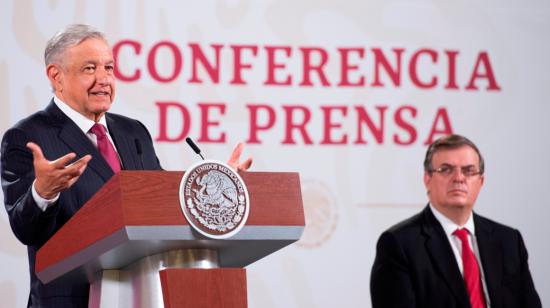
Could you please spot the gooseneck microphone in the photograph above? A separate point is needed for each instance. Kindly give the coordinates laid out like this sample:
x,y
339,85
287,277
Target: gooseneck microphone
x,y
194,146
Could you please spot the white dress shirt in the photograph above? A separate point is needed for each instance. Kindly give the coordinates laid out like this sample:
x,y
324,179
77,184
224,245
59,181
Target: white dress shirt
x,y
449,227
85,125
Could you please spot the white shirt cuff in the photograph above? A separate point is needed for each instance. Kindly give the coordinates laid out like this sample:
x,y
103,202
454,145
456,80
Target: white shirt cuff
x,y
42,203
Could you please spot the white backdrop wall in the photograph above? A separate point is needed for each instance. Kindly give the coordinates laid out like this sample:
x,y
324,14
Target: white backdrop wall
x,y
469,67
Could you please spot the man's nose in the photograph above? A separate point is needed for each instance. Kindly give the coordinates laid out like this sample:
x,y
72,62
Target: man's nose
x,y
103,77
458,175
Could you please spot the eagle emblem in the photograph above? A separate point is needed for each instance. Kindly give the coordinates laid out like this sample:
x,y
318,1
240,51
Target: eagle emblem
x,y
214,199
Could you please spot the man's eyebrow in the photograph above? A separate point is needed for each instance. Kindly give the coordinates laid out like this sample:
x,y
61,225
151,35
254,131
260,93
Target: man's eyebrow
x,y
96,62
451,165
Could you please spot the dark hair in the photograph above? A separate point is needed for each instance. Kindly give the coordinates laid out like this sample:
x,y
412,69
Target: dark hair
x,y
450,142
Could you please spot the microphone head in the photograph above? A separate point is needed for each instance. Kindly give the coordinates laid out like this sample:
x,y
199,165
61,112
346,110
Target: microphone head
x,y
193,145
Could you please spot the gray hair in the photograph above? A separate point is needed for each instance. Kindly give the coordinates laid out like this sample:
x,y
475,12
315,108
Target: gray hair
x,y
447,143
67,37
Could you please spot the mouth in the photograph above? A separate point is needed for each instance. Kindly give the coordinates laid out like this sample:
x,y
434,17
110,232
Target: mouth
x,y
457,191
100,93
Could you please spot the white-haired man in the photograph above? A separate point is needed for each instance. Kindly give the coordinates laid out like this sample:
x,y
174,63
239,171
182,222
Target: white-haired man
x,y
55,160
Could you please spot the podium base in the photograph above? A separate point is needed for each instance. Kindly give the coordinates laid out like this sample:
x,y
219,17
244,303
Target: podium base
x,y
139,284
204,288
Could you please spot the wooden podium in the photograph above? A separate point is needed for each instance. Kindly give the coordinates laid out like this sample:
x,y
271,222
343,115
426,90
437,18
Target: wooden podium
x,y
132,242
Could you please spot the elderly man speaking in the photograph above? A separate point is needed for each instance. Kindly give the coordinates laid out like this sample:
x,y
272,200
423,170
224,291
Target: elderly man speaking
x,y
55,160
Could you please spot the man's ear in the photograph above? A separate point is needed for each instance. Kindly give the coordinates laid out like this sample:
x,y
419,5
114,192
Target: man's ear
x,y
55,75
427,179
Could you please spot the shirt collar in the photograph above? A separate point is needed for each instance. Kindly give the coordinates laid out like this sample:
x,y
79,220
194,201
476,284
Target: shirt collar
x,y
449,226
81,121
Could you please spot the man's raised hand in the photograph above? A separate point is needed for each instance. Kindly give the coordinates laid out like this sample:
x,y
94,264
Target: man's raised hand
x,y
53,177
233,161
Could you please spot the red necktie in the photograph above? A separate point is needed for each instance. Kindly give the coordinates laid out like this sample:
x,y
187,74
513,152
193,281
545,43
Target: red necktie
x,y
105,147
471,271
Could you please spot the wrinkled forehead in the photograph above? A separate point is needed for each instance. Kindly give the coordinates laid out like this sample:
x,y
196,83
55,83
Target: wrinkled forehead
x,y
460,156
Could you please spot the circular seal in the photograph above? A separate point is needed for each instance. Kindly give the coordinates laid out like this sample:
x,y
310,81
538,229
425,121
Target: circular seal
x,y
214,199
321,214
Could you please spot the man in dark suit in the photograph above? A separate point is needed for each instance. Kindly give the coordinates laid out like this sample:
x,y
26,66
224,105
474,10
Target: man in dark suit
x,y
43,184
448,256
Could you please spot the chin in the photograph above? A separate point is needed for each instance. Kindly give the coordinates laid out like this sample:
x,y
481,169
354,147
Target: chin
x,y
458,205
102,107
458,201
461,206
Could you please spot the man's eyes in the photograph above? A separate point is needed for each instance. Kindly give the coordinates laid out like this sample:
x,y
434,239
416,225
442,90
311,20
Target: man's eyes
x,y
90,69
466,170
470,170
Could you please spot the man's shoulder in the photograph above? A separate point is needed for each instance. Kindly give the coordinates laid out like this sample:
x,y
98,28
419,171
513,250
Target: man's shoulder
x,y
50,116
484,224
123,121
405,236
131,128
38,119
29,126
410,226
119,117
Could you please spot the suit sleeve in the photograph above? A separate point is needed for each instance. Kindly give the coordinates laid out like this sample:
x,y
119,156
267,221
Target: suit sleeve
x,y
390,283
531,297
29,223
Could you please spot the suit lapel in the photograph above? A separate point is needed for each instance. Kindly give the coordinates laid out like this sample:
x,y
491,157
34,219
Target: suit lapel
x,y
77,141
442,257
124,145
491,259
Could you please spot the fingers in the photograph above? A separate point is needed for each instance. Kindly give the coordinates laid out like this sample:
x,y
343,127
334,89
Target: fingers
x,y
83,161
36,150
53,177
60,179
236,154
39,156
63,161
245,165
77,168
233,161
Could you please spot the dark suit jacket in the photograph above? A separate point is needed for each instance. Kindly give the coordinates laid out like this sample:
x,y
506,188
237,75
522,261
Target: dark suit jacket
x,y
415,266
58,135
